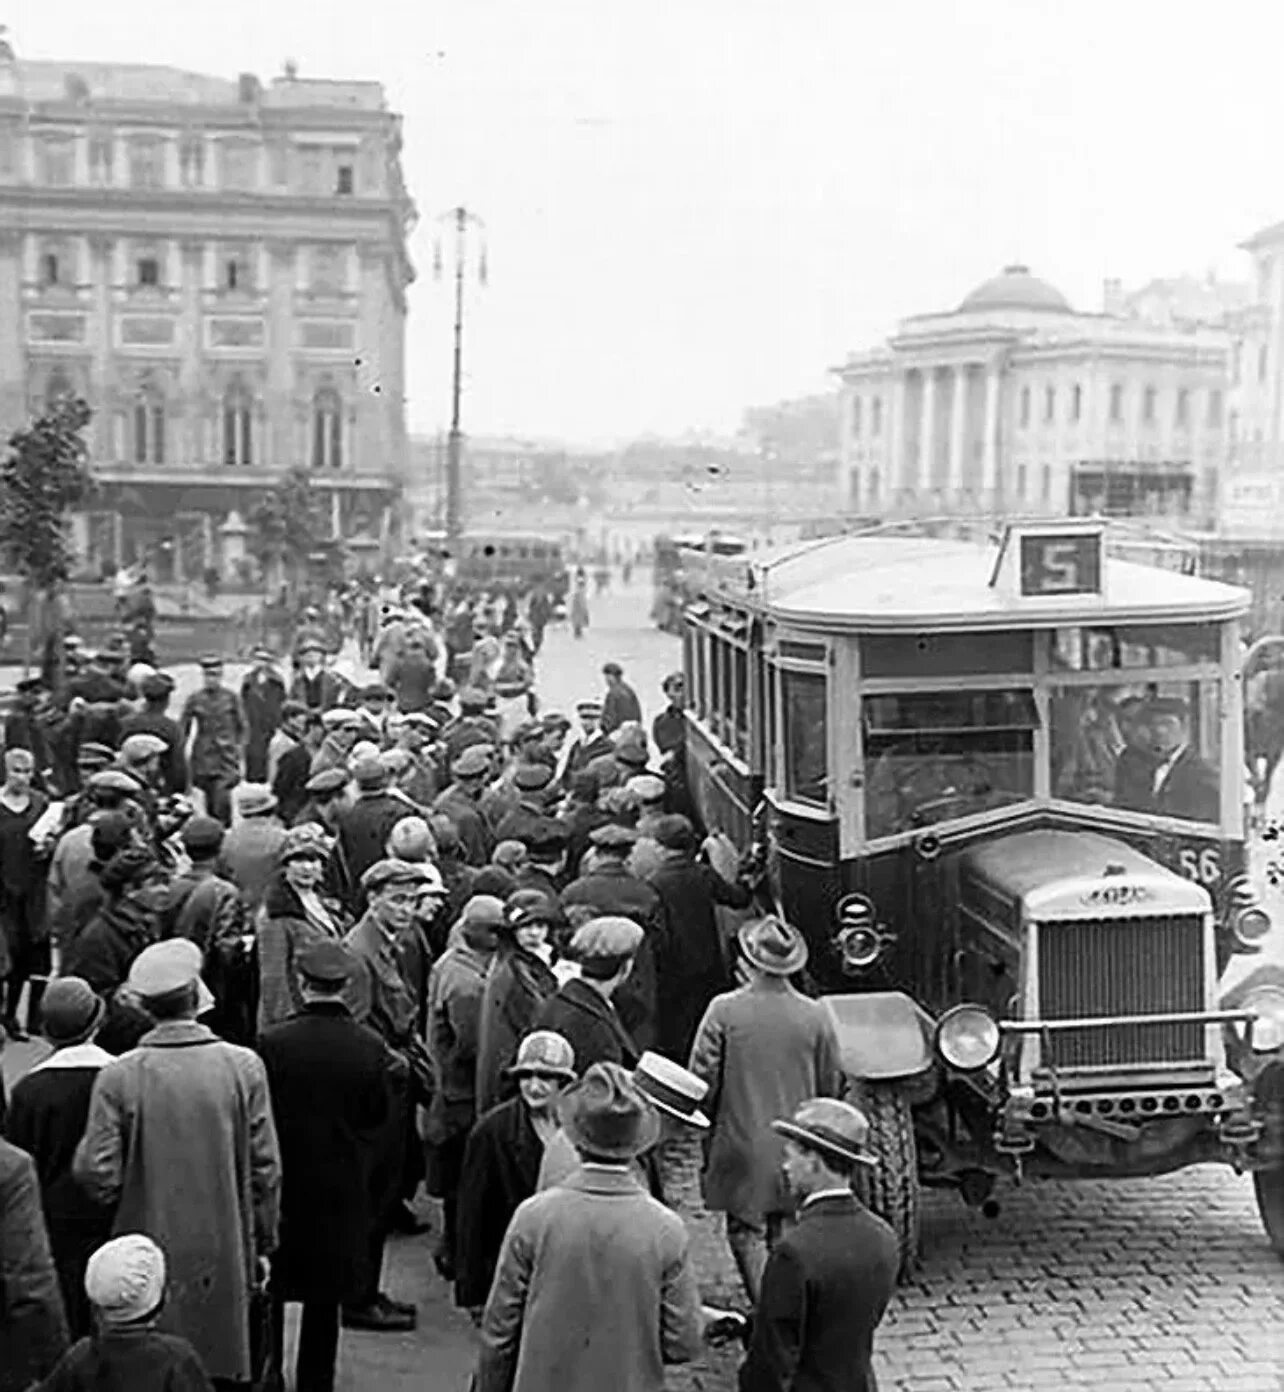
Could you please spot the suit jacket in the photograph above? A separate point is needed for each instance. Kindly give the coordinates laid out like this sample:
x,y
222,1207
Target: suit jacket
x,y
594,1289
328,1083
501,1169
517,984
589,1023
1189,790
823,1294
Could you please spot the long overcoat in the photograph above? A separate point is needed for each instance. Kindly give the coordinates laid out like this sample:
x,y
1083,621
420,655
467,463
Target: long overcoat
x,y
454,1015
33,1332
501,1169
589,1024
180,1137
517,984
328,1081
763,1050
594,1289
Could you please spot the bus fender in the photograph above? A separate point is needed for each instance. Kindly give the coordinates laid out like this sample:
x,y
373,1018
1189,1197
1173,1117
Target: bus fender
x,y
882,1035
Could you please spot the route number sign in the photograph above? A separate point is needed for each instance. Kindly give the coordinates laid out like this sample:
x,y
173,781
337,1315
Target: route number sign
x,y
1060,564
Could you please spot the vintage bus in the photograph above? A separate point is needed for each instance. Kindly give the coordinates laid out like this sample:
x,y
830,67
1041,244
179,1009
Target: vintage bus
x,y
999,786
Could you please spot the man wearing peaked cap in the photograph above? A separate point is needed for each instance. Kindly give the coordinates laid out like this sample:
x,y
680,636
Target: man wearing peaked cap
x,y
587,743
460,802
763,1049
829,1281
608,887
327,1077
263,696
616,1299
183,1124
154,719
215,714
583,1009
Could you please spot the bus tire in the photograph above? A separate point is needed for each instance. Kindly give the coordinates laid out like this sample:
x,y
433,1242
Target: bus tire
x,y
1268,1190
891,1188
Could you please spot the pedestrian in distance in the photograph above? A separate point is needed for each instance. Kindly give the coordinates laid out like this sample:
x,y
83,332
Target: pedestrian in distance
x,y
263,695
762,1049
46,1118
620,704
503,1159
827,1284
328,1080
24,931
594,1286
125,1283
180,1140
215,714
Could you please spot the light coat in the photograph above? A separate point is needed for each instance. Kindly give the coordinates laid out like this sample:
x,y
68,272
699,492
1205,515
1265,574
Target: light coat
x,y
594,1289
763,1050
180,1138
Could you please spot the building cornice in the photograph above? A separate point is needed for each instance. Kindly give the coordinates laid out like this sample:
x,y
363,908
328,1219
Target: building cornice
x,y
179,476
208,116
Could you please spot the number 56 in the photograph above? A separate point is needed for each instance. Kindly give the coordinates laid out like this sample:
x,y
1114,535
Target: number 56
x,y
1203,866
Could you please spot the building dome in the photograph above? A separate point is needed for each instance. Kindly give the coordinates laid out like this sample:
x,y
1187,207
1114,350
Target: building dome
x,y
1016,288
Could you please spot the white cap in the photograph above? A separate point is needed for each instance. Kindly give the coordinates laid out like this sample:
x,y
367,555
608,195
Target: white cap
x,y
125,1278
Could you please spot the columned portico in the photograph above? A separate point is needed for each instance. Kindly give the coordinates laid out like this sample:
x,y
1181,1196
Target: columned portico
x,y
990,445
958,432
926,430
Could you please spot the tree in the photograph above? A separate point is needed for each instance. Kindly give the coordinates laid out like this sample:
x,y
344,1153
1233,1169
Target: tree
x,y
45,475
286,527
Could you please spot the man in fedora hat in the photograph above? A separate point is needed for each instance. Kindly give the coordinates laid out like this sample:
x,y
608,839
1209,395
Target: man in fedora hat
x,y
46,1118
828,1281
594,1286
180,1141
252,848
762,1049
502,1162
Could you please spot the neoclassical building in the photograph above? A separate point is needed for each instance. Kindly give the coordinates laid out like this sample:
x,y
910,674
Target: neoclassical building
x,y
220,269
1016,403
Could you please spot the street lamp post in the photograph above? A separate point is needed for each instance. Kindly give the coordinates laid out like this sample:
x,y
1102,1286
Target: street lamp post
x,y
462,221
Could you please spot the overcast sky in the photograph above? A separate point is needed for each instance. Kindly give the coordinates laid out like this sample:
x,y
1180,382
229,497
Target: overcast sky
x,y
695,207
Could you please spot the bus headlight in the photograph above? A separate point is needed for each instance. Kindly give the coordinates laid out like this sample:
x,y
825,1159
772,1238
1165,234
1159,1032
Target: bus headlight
x,y
1267,1005
1250,925
968,1038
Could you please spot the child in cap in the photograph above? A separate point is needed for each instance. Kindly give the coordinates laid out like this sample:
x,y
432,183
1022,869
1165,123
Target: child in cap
x,y
125,1282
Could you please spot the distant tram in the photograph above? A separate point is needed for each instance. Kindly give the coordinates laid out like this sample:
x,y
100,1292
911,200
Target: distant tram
x,y
999,785
678,570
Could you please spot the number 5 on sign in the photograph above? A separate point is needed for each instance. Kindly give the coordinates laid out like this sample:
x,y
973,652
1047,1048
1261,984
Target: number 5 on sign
x,y
1060,564
1203,866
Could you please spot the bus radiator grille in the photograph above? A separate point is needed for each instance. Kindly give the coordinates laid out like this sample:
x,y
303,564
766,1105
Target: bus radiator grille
x,y
1122,966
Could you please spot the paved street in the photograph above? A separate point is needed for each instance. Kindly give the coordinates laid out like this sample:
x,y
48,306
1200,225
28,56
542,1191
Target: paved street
x,y
1161,1284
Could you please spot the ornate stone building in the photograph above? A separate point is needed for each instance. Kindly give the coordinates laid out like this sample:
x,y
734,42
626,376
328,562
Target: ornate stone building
x,y
1015,403
220,269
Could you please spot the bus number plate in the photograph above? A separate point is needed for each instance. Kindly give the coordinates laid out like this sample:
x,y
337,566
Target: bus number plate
x,y
1066,564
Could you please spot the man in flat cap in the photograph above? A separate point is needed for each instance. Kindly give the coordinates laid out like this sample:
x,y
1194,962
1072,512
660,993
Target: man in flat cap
x,y
382,999
531,781
180,1140
216,716
154,719
471,726
471,772
328,1081
314,685
289,758
620,705
366,824
609,889
583,1011
827,1284
342,729
263,695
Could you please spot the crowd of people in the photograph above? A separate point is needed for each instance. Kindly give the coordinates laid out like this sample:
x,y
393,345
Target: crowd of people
x,y
309,945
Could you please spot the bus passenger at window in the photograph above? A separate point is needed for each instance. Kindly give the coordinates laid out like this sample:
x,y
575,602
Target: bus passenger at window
x,y
1135,766
1089,774
1184,785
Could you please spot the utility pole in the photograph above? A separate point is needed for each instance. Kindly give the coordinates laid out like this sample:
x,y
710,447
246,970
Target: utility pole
x,y
462,220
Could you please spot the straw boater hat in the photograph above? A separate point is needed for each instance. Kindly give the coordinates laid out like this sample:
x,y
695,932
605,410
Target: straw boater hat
x,y
834,1129
606,1114
675,1090
773,946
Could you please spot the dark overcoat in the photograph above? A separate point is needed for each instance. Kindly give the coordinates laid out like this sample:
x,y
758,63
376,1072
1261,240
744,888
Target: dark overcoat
x,y
590,1025
328,1080
364,829
33,1332
501,1168
517,984
824,1291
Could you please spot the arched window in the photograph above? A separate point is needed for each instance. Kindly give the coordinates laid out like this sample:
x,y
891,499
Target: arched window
x,y
327,430
149,427
238,427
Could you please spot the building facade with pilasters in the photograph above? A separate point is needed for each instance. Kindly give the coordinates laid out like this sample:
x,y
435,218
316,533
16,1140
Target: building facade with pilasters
x,y
1017,404
220,269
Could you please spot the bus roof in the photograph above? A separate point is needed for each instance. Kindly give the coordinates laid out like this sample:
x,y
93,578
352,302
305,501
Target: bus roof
x,y
898,582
